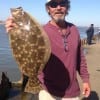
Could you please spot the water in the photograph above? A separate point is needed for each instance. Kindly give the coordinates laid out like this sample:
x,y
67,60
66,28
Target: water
x,y
82,31
5,51
7,62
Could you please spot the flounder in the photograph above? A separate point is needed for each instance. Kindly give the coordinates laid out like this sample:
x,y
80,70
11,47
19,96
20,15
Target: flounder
x,y
30,47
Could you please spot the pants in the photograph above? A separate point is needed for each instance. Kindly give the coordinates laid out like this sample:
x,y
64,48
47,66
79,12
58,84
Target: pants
x,y
89,38
44,95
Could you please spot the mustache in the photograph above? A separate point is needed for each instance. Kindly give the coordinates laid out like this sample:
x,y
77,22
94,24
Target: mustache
x,y
59,12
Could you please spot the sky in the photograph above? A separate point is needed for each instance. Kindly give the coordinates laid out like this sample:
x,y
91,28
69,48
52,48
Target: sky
x,y
82,12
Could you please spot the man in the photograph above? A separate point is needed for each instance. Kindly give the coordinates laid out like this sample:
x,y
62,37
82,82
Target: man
x,y
59,77
90,33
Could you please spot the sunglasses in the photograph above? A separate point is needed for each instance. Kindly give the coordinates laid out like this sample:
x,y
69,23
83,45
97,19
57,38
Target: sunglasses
x,y
55,4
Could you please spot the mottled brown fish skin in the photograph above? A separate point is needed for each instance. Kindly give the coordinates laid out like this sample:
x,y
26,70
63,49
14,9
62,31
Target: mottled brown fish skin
x,y
30,46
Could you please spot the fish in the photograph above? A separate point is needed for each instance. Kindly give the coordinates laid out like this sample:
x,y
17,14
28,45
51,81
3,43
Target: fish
x,y
30,47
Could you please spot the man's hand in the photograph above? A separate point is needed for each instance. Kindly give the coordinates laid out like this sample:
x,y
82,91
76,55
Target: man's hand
x,y
86,89
9,24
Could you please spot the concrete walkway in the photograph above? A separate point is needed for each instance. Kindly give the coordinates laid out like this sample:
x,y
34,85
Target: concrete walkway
x,y
93,61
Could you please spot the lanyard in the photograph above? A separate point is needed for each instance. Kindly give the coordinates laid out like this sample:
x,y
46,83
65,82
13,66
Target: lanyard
x,y
65,41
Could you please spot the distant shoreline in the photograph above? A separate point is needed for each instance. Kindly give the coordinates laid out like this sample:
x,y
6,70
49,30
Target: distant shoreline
x,y
2,22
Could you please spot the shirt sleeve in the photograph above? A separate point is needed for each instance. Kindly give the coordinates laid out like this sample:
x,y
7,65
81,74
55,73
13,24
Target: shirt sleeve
x,y
82,64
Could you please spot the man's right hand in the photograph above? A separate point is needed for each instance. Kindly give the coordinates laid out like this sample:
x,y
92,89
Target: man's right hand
x,y
9,24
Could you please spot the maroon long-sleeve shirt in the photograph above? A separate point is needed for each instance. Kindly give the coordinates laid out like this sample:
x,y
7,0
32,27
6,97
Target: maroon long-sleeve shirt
x,y
59,76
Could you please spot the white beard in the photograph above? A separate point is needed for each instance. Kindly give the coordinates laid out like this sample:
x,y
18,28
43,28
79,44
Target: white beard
x,y
58,19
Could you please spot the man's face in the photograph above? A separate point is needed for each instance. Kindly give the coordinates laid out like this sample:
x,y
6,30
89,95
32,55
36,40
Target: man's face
x,y
57,10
